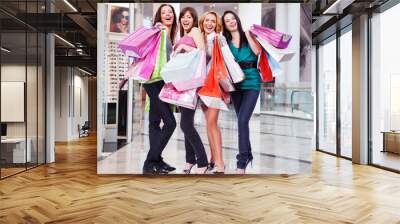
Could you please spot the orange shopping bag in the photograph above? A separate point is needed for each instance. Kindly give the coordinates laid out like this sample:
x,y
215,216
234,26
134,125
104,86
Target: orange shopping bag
x,y
212,93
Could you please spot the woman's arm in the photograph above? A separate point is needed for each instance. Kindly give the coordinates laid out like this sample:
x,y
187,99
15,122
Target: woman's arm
x,y
253,43
183,48
197,37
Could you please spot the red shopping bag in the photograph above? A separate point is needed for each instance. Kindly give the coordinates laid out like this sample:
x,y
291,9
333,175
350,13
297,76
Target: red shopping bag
x,y
212,93
264,68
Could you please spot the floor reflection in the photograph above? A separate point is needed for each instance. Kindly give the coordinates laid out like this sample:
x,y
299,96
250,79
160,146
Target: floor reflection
x,y
280,145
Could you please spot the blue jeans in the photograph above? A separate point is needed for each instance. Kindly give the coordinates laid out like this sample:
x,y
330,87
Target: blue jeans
x,y
158,136
244,102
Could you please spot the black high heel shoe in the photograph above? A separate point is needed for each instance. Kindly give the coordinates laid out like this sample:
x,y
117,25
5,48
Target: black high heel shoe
x,y
203,171
249,160
211,166
187,171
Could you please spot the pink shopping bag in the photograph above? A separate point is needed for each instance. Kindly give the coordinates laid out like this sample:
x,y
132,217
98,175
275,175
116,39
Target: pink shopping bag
x,y
275,38
186,98
139,43
199,77
149,61
134,71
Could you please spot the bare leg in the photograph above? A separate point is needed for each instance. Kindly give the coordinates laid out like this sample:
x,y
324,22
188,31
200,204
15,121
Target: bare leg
x,y
209,135
215,132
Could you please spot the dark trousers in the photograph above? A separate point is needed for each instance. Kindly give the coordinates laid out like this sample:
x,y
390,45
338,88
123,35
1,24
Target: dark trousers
x,y
195,152
158,136
244,102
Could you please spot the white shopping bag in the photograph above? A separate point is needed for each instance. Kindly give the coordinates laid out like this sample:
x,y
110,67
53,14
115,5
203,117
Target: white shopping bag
x,y
181,67
280,55
214,102
235,71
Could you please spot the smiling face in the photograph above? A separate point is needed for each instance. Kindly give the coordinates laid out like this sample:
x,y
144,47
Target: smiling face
x,y
187,21
230,22
210,23
167,16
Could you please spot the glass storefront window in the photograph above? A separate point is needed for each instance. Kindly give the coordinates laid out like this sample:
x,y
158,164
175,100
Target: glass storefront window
x,y
346,94
385,88
327,96
14,153
22,91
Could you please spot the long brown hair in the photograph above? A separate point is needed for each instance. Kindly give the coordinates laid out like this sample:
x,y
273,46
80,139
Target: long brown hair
x,y
193,13
157,19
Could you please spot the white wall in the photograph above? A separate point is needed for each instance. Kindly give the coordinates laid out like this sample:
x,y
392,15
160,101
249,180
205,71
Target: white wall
x,y
61,103
12,73
71,86
33,125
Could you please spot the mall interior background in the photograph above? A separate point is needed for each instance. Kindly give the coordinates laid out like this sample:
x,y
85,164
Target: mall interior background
x,y
37,58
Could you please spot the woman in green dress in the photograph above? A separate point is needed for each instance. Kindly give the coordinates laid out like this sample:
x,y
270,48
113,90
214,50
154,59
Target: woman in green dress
x,y
245,49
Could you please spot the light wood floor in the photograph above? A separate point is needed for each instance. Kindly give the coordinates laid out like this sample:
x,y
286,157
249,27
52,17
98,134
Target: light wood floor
x,y
70,191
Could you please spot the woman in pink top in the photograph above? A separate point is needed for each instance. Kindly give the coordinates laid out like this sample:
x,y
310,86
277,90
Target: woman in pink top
x,y
191,39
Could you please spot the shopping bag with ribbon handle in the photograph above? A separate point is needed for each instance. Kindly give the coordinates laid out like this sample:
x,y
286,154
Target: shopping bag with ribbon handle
x,y
199,77
275,38
161,58
186,98
139,43
211,93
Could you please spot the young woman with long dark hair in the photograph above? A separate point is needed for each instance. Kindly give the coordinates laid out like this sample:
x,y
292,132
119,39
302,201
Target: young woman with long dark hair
x,y
245,50
165,18
191,39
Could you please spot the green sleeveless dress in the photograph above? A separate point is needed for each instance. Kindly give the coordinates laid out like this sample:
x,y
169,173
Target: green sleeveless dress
x,y
252,75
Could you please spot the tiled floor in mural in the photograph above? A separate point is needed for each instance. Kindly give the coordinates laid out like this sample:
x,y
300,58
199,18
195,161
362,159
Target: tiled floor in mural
x,y
279,144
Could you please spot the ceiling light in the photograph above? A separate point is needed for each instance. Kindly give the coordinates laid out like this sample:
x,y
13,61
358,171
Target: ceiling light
x,y
65,41
5,50
70,5
84,71
338,6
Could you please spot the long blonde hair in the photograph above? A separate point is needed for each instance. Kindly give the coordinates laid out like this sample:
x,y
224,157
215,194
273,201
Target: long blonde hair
x,y
218,27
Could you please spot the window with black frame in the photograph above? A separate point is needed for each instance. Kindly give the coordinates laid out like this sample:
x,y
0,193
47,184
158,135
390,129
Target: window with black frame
x,y
22,87
327,95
